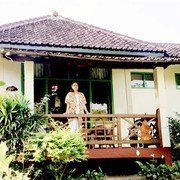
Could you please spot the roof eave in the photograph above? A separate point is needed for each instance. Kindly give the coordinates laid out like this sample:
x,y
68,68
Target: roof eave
x,y
84,50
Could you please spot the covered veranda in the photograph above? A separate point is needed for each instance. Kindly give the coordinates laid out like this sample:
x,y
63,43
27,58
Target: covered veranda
x,y
121,135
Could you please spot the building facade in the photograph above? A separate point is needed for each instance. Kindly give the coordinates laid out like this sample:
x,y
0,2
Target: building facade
x,y
117,74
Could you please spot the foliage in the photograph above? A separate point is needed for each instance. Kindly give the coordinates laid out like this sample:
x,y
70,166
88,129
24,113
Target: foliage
x,y
18,121
39,107
45,149
2,83
6,172
55,149
99,111
60,145
174,127
93,175
160,172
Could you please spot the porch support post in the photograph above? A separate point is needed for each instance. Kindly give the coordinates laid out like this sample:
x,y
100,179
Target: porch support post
x,y
128,91
122,91
1,68
29,81
122,99
160,94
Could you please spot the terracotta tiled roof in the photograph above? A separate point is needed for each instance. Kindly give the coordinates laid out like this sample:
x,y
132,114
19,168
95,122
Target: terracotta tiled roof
x,y
173,50
57,31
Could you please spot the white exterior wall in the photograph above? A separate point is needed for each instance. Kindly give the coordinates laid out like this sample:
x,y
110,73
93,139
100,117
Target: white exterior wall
x,y
143,99
10,73
172,93
131,100
165,95
119,91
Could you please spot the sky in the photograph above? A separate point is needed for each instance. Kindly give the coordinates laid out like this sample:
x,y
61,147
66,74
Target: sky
x,y
148,20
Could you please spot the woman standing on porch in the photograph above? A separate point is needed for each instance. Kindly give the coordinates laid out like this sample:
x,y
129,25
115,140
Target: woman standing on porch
x,y
75,104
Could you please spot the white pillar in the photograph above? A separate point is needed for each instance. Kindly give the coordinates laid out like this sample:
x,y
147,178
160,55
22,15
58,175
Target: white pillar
x,y
160,93
128,91
2,88
122,91
122,97
29,81
1,68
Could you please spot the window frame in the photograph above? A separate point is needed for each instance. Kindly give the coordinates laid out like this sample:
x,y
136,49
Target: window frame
x,y
143,75
176,80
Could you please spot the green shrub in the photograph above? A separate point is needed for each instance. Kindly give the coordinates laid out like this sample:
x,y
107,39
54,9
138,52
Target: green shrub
x,y
2,83
37,142
155,171
93,175
6,172
18,121
53,150
174,127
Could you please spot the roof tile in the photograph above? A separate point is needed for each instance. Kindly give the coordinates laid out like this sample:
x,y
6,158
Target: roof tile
x,y
63,32
58,31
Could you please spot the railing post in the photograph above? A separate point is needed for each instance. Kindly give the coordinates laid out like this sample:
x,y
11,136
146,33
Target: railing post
x,y
85,127
159,126
79,122
119,138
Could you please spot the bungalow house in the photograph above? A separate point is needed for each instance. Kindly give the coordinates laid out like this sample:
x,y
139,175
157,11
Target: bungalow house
x,y
124,78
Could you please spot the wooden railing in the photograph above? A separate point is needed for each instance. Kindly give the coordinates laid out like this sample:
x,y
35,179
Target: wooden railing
x,y
118,130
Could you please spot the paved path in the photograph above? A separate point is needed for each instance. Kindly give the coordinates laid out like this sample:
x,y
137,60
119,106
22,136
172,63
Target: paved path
x,y
133,177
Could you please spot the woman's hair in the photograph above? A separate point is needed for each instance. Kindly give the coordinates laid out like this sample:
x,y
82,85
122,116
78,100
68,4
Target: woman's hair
x,y
71,90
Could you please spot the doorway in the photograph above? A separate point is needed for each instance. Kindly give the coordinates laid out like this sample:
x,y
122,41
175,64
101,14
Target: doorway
x,y
95,83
